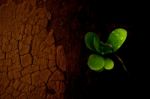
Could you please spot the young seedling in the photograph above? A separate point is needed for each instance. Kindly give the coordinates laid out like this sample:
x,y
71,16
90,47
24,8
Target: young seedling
x,y
98,62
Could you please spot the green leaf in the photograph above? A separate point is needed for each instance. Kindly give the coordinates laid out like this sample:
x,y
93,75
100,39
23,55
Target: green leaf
x,y
109,64
117,38
89,38
97,45
95,62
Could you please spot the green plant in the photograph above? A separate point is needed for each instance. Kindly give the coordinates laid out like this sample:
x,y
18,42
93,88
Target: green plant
x,y
99,61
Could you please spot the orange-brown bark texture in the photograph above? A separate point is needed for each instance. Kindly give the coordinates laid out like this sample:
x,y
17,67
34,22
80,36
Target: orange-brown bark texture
x,y
32,53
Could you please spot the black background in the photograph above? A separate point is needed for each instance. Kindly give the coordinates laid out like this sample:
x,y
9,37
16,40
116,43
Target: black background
x,y
102,18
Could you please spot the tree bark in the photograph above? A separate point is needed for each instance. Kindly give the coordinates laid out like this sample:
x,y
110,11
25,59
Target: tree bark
x,y
32,59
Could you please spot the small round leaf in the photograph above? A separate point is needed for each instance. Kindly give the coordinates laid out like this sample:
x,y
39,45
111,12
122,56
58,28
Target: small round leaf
x,y
95,62
109,64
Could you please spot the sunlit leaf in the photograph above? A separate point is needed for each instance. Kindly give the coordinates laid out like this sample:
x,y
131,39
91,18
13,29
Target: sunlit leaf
x,y
109,64
117,38
95,62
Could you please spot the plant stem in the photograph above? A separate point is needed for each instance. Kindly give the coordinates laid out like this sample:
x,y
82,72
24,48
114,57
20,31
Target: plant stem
x,y
121,61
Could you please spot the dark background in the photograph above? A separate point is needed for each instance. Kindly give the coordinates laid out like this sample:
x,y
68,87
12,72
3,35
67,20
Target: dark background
x,y
102,18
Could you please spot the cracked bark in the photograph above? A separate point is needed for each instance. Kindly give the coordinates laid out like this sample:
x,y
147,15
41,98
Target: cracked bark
x,y
30,66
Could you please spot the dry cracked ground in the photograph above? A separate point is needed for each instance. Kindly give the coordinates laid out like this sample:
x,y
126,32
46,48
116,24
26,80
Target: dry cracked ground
x,y
31,65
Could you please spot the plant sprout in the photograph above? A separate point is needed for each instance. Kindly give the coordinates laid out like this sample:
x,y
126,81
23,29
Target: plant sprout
x,y
98,62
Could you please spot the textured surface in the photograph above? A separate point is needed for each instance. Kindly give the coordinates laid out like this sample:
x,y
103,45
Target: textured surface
x,y
31,66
